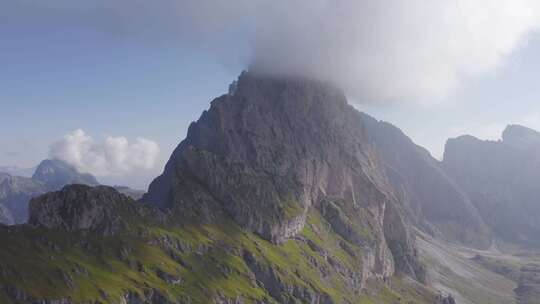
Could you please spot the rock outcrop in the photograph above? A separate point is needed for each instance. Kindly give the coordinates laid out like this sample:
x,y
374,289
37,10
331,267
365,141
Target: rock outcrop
x,y
501,179
50,175
272,149
101,210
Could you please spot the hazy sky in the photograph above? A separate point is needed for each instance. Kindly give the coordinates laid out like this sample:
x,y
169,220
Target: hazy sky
x,y
111,86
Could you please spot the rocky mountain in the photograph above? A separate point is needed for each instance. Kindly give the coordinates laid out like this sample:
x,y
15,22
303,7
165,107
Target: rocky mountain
x,y
501,179
272,150
432,199
50,175
101,210
277,195
55,174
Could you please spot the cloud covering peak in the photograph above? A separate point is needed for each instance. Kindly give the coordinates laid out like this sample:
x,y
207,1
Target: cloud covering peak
x,y
112,156
377,50
391,50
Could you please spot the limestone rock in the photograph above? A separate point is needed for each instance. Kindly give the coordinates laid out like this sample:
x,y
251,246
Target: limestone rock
x,y
273,148
99,210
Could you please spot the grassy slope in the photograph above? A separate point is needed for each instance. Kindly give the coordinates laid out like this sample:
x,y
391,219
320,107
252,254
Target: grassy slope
x,y
208,261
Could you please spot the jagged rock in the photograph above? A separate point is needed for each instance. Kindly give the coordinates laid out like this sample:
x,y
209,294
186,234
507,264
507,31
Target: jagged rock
x,y
83,208
281,291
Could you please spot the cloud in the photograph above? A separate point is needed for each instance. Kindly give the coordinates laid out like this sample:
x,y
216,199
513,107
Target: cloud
x,y
112,156
395,50
377,50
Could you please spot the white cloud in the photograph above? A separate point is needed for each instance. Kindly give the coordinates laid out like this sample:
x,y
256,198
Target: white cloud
x,y
112,156
375,49
392,50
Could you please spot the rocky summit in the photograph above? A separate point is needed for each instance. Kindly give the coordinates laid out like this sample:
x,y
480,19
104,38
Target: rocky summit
x,y
55,174
273,149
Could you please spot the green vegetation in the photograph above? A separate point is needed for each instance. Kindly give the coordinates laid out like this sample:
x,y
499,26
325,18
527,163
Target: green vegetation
x,y
198,263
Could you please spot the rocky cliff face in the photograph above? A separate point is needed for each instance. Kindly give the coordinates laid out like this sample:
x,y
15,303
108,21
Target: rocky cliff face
x,y
100,210
272,149
501,178
431,198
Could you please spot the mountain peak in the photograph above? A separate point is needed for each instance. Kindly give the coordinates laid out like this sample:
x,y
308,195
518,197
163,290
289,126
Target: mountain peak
x,y
520,136
56,173
272,151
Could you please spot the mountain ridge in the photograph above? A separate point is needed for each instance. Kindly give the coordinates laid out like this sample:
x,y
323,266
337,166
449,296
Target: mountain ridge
x,y
281,192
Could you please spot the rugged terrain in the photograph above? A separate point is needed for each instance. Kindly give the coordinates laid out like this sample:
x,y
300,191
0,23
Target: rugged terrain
x,y
276,195
283,193
49,175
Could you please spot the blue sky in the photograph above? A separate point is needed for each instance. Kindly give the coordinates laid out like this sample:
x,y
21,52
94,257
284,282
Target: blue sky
x,y
68,66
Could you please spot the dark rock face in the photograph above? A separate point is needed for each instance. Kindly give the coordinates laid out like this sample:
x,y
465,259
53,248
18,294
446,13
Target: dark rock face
x,y
272,149
55,174
99,210
431,198
51,175
501,178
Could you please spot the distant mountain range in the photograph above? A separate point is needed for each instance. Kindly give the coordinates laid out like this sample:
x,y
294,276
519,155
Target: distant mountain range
x,y
502,180
49,175
18,171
